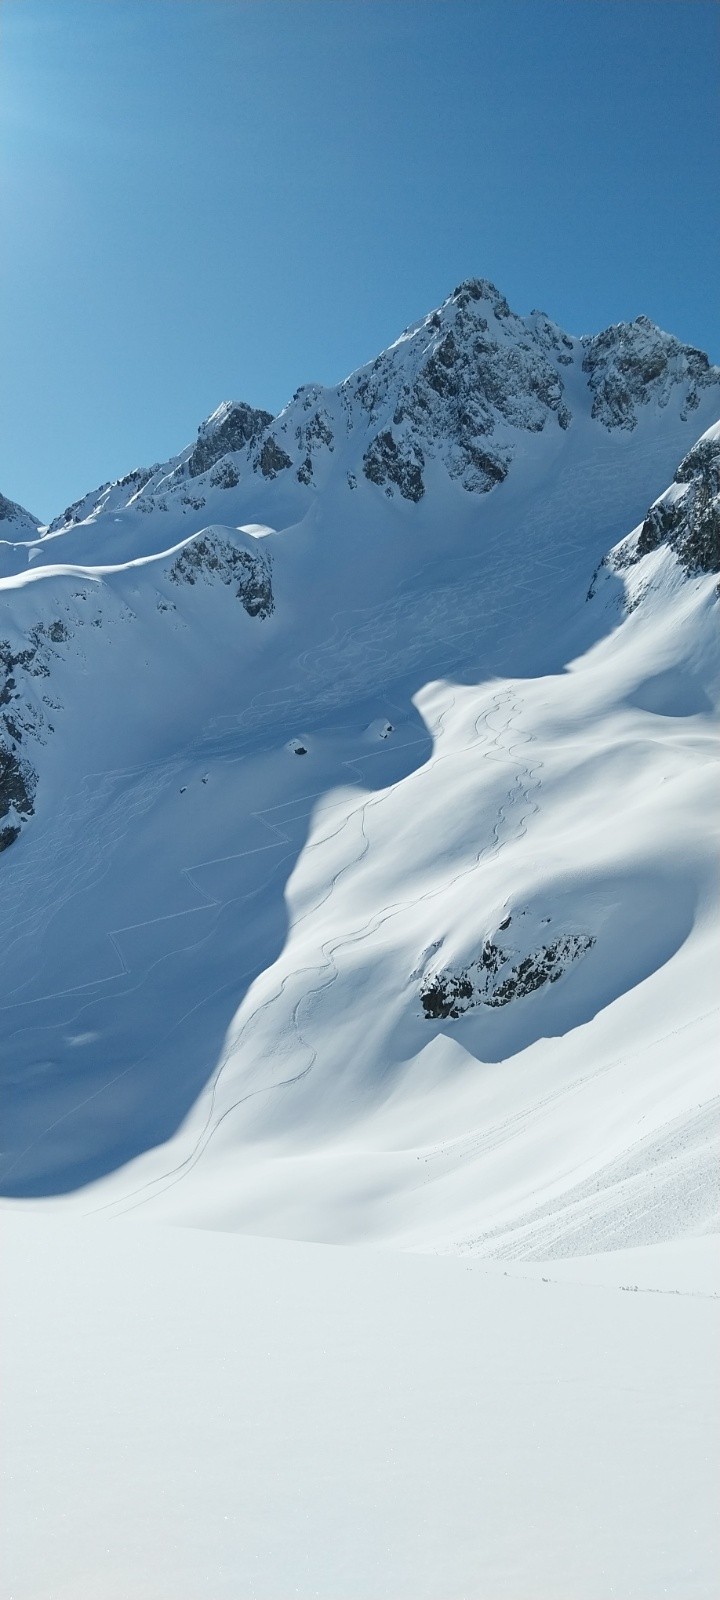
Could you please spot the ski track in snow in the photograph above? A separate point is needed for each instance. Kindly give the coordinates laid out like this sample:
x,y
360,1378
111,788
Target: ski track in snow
x,y
349,644
92,871
327,970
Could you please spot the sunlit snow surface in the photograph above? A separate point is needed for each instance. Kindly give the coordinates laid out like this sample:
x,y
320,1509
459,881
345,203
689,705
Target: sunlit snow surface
x,y
266,1419
255,840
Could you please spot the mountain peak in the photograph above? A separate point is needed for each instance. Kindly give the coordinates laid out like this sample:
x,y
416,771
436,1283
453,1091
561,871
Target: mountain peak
x,y
232,426
481,289
460,393
15,521
631,364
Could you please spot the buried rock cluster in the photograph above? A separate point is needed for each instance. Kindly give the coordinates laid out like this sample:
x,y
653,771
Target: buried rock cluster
x,y
500,975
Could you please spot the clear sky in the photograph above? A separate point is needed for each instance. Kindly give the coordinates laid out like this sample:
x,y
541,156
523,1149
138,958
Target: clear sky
x,y
222,199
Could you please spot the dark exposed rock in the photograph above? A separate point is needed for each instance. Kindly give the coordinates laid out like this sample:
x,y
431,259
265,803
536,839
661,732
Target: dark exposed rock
x,y
701,465
318,431
655,529
312,436
57,632
225,475
481,289
17,789
240,426
686,517
136,480
473,368
207,557
544,966
18,779
489,469
386,462
272,458
500,975
632,363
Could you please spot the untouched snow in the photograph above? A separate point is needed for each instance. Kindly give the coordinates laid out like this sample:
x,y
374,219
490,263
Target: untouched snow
x,y
255,1418
282,752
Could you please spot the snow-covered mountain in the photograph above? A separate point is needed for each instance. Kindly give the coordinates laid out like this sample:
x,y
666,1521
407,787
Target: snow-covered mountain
x,y
341,764
358,847
456,396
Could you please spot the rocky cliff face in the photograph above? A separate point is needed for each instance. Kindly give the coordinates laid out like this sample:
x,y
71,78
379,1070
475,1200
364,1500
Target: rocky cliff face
x,y
213,556
687,516
683,523
232,427
634,364
23,721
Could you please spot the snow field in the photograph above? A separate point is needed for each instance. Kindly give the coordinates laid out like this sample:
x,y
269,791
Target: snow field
x,y
256,1418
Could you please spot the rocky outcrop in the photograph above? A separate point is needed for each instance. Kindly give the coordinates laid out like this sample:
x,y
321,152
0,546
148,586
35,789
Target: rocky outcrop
x,y
686,519
22,723
312,437
18,782
471,370
384,462
136,480
211,557
233,426
272,459
225,475
501,974
633,363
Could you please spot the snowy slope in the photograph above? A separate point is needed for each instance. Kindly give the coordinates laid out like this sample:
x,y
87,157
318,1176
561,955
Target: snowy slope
x,y
358,843
260,1420
217,944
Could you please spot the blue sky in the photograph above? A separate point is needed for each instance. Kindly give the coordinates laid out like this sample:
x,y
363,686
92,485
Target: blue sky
x,y
210,199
